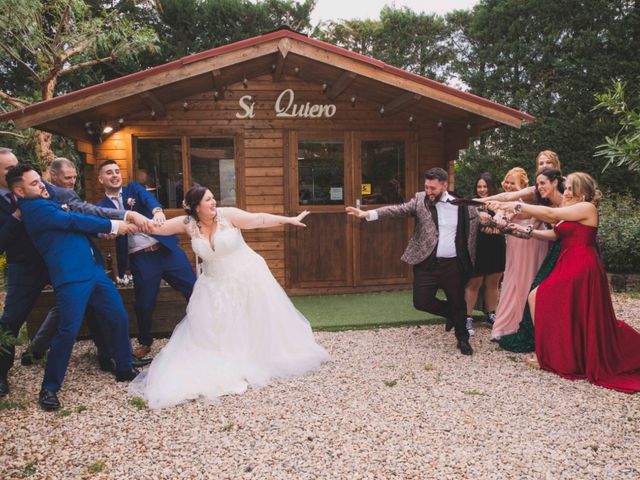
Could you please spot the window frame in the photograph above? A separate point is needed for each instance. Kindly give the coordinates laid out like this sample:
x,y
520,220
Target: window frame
x,y
185,143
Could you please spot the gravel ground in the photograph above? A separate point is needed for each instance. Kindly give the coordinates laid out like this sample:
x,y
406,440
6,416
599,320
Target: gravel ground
x,y
391,403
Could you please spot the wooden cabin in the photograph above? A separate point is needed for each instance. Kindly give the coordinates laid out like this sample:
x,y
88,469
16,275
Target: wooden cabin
x,y
280,123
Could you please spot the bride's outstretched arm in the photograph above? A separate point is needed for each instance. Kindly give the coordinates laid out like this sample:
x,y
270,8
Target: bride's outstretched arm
x,y
171,227
247,220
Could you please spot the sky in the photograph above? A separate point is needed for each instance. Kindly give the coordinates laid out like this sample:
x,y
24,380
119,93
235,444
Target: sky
x,y
346,9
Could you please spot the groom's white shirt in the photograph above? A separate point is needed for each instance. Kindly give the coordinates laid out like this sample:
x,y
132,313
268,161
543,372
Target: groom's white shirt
x,y
447,225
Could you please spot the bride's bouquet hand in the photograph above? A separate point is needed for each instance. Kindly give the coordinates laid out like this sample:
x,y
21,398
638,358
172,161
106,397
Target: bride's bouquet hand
x,y
297,221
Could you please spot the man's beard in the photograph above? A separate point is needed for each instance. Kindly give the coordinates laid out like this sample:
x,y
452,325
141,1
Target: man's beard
x,y
436,199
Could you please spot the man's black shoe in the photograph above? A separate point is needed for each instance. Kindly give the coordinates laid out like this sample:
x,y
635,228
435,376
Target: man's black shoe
x,y
4,387
465,347
106,364
29,357
141,362
126,375
48,400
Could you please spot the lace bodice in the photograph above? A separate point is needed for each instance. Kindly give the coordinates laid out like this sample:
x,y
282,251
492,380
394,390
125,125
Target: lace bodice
x,y
225,252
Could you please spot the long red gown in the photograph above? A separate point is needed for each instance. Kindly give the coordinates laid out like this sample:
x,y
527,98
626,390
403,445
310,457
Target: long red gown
x,y
577,333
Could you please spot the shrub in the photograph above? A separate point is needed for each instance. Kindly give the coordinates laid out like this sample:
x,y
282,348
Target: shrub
x,y
620,233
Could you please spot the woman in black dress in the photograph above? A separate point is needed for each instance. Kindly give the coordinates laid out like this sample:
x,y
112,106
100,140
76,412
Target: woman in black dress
x,y
490,261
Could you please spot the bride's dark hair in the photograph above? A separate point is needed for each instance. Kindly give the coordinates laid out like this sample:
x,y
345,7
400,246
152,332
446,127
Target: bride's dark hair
x,y
192,199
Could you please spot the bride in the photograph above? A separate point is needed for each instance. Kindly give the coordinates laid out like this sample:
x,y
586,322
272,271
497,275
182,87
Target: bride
x,y
240,328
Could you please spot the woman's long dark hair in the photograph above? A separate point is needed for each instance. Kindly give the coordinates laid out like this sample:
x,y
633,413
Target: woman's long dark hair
x,y
192,199
551,174
492,189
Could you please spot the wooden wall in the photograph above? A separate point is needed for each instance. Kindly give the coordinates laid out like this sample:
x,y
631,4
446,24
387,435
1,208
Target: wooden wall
x,y
262,151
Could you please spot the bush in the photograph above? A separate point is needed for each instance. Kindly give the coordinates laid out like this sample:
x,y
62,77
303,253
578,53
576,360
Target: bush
x,y
620,233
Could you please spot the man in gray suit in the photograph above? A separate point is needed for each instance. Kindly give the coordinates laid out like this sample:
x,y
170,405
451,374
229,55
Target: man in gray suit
x,y
442,250
63,176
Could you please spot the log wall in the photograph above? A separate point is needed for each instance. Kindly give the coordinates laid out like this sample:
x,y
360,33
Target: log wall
x,y
261,149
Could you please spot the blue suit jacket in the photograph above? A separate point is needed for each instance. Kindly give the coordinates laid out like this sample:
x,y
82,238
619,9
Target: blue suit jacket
x,y
61,238
136,198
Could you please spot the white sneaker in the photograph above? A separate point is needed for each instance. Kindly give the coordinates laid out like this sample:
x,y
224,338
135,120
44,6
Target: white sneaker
x,y
490,318
470,329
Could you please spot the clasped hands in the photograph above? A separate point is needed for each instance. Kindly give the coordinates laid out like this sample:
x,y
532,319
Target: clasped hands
x,y
137,223
143,224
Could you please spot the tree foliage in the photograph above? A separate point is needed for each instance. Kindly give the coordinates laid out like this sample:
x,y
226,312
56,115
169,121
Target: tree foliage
x,y
416,42
624,147
547,58
43,42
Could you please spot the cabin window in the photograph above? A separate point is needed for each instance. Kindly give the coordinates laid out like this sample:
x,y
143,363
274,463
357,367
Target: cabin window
x,y
382,172
169,166
159,169
321,172
212,164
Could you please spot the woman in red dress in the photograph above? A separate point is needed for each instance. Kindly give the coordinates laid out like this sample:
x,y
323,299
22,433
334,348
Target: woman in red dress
x,y
577,333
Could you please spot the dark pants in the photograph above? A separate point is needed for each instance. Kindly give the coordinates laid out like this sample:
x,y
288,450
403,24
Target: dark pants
x,y
148,269
42,339
72,300
24,284
432,274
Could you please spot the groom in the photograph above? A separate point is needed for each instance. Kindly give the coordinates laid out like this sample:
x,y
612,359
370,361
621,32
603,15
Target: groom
x,y
77,278
442,250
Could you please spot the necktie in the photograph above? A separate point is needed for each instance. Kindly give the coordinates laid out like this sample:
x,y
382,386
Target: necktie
x,y
434,214
12,199
118,201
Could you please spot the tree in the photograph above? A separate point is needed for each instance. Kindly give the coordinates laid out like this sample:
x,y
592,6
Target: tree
x,y
624,147
187,26
43,42
416,42
547,58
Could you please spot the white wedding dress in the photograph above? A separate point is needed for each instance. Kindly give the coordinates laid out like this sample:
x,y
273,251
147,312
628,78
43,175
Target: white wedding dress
x,y
240,329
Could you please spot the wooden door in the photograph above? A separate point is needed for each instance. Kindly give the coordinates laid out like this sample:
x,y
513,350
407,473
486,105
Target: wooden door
x,y
329,171
385,174
320,256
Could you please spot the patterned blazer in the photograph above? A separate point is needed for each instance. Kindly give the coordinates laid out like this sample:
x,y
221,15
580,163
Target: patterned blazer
x,y
425,235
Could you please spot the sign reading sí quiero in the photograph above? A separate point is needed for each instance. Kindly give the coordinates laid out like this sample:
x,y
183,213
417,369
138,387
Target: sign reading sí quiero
x,y
285,107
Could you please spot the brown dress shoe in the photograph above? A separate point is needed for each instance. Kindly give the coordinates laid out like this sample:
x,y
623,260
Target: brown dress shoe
x,y
141,351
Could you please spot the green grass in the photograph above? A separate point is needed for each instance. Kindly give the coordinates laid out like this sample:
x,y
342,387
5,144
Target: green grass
x,y
96,467
138,403
363,310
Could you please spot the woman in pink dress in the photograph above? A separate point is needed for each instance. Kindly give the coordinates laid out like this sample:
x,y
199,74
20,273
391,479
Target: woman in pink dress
x,y
524,258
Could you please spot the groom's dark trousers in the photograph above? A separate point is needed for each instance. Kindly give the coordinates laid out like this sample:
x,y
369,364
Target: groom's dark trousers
x,y
78,279
445,273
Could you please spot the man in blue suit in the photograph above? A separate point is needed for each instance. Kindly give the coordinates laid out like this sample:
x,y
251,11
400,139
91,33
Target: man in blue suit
x,y
63,176
151,258
61,238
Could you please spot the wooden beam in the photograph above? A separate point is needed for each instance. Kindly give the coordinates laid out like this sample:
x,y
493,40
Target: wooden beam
x,y
151,101
370,71
400,102
281,60
340,85
216,76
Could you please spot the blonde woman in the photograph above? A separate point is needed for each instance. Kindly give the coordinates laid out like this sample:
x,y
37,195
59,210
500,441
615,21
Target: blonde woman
x,y
544,160
523,260
576,332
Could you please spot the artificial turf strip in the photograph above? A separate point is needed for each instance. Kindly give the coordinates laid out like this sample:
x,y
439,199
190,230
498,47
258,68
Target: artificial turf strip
x,y
363,310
